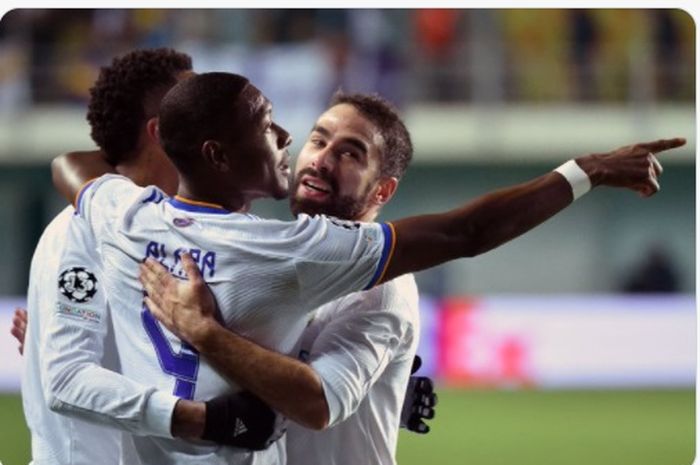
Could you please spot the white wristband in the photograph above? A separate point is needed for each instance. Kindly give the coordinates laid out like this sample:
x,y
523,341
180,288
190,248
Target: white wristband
x,y
577,178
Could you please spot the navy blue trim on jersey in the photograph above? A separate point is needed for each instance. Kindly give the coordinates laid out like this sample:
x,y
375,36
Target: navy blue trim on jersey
x,y
155,197
79,197
180,205
387,252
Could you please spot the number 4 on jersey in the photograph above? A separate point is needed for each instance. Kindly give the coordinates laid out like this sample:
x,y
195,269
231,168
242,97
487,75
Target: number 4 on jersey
x,y
183,365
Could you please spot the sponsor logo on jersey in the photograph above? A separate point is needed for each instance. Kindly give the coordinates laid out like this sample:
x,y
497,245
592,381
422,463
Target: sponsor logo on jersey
x,y
78,313
78,284
183,222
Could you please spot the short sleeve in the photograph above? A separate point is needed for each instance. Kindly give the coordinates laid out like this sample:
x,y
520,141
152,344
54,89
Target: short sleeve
x,y
336,257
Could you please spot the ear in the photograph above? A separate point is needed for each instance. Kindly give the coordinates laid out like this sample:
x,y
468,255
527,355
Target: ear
x,y
152,130
214,155
385,190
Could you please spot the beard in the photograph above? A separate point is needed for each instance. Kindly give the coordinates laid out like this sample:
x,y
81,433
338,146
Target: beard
x,y
345,207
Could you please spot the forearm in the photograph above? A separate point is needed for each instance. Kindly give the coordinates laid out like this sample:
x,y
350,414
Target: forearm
x,y
97,395
287,385
70,171
499,217
483,224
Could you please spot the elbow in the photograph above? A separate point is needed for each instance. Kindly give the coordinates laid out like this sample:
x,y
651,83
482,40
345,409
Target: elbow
x,y
59,170
54,404
467,238
313,412
317,417
471,246
476,240
57,166
57,385
52,397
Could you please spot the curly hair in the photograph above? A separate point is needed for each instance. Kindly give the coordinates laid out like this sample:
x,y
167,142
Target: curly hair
x,y
127,93
398,148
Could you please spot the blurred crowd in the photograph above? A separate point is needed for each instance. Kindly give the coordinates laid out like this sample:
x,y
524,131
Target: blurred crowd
x,y
420,55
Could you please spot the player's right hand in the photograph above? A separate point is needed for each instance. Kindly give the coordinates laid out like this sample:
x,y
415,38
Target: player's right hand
x,y
19,327
633,167
242,420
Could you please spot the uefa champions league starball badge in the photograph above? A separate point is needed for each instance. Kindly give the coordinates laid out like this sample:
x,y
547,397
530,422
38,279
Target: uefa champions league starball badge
x,y
78,284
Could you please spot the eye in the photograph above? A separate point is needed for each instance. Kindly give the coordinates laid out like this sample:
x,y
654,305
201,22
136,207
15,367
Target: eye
x,y
352,154
317,142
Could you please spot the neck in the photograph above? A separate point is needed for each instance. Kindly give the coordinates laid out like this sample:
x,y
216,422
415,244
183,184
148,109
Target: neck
x,y
368,216
214,193
133,168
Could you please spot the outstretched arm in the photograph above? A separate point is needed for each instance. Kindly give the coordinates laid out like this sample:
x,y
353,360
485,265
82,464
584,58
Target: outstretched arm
x,y
498,217
70,171
189,311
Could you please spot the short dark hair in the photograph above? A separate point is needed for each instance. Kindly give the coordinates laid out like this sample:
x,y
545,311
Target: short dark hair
x,y
198,109
398,148
127,93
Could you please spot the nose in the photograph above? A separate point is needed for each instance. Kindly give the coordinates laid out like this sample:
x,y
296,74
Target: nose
x,y
324,160
284,139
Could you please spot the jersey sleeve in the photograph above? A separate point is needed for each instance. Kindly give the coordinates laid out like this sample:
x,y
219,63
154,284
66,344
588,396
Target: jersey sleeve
x,y
334,258
353,350
75,382
102,199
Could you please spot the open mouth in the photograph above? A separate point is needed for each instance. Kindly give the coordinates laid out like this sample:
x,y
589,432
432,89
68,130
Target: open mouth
x,y
316,185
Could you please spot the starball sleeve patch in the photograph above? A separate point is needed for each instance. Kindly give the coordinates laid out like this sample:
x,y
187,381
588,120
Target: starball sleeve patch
x,y
78,284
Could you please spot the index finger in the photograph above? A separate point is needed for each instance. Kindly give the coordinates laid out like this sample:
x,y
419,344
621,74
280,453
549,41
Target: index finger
x,y
190,267
663,144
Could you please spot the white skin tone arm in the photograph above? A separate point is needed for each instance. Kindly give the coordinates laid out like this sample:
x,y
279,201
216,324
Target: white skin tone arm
x,y
188,309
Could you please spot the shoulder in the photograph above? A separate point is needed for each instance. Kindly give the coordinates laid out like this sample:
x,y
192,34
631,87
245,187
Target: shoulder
x,y
52,239
108,191
398,297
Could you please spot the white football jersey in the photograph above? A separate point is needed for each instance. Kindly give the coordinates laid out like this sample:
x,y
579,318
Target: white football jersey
x,y
56,439
362,346
267,277
75,383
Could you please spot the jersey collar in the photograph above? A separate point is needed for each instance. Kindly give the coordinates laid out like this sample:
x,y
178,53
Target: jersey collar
x,y
189,205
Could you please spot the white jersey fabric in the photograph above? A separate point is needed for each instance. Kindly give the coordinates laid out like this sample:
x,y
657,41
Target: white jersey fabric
x,y
56,439
362,346
267,277
77,330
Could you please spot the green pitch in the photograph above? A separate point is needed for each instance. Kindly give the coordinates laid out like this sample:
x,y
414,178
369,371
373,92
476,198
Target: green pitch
x,y
557,427
523,427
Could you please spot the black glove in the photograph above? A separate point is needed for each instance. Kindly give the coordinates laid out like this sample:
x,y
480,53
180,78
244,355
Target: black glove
x,y
242,420
419,403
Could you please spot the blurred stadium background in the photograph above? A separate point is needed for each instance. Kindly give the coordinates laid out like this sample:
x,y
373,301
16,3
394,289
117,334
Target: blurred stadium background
x,y
573,345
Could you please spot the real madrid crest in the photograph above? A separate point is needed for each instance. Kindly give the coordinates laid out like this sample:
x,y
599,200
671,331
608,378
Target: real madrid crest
x,y
78,284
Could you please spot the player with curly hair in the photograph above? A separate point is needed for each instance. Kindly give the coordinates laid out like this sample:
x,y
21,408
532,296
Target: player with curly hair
x,y
123,105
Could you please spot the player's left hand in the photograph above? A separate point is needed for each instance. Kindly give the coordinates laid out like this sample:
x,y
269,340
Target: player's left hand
x,y
187,308
19,327
419,403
